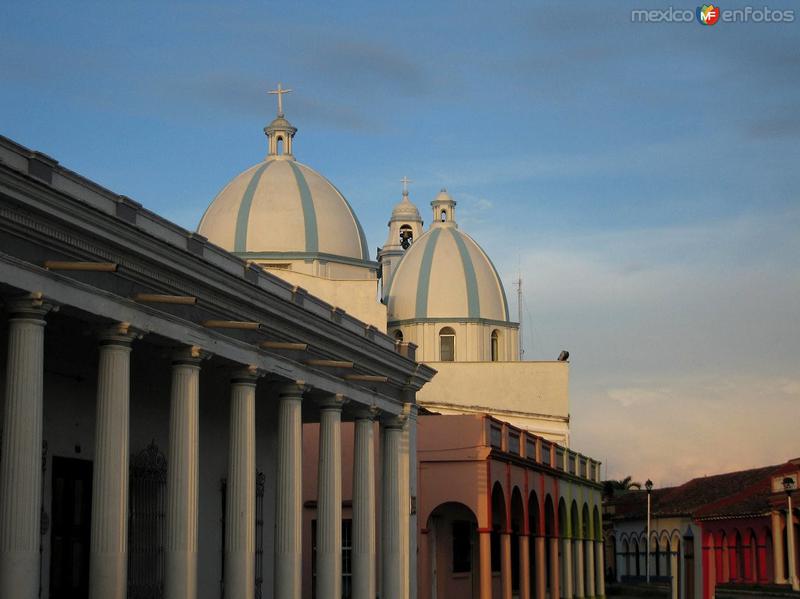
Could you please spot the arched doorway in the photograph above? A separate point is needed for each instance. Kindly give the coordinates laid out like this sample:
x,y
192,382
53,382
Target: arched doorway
x,y
453,552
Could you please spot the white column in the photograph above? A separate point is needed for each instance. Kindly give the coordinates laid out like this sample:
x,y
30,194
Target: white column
x,y
240,503
599,569
777,548
589,561
180,550
329,500
21,469
108,557
289,494
364,507
409,457
393,521
566,568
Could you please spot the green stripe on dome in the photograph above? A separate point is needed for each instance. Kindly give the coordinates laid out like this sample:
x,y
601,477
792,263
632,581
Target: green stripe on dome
x,y
309,213
362,238
424,281
243,217
473,299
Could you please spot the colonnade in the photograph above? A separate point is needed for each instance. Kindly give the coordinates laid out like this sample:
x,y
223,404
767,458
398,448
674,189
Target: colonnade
x,y
21,479
570,577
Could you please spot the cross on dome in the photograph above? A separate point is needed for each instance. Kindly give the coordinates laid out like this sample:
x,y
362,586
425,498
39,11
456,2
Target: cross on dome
x,y
405,181
279,92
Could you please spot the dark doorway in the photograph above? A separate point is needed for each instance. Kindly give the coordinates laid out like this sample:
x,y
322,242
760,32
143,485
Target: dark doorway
x,y
71,528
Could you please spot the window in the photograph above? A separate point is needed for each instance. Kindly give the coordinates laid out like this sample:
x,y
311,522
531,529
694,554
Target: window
x,y
443,216
495,345
406,236
280,145
398,335
546,453
447,345
259,535
462,546
347,558
496,436
513,442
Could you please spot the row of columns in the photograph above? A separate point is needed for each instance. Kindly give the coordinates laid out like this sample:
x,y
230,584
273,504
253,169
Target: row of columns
x,y
567,578
21,480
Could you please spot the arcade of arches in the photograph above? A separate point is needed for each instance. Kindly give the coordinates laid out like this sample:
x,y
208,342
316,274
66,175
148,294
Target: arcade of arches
x,y
500,516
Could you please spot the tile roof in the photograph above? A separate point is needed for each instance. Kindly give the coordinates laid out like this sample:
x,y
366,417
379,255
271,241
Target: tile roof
x,y
741,493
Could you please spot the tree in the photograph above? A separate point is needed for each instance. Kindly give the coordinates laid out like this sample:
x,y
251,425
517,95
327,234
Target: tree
x,y
612,487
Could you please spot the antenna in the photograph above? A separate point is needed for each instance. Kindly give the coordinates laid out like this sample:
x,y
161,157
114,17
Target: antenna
x,y
518,282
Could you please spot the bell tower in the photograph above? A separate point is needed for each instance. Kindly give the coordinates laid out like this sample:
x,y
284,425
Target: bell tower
x,y
405,226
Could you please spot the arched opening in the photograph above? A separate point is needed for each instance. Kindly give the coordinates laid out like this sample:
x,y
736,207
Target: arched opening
x,y
767,571
406,236
453,551
577,549
443,216
626,559
499,525
723,560
495,345
550,533
751,557
737,575
279,142
655,557
398,336
566,531
588,565
447,345
534,530
635,555
517,529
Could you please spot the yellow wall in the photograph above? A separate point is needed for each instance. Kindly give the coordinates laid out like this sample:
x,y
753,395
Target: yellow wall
x,y
357,297
531,395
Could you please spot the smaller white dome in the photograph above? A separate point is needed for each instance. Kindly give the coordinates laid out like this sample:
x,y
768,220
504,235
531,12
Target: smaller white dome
x,y
446,275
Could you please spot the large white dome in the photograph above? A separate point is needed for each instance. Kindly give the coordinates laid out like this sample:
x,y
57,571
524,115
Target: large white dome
x,y
280,208
445,275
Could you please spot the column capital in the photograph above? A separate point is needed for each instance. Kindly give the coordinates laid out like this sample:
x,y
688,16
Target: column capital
x,y
294,390
247,375
370,413
191,355
334,401
120,333
32,305
394,421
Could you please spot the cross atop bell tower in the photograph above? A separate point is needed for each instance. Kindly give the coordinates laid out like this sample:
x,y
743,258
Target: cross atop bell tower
x,y
279,92
280,132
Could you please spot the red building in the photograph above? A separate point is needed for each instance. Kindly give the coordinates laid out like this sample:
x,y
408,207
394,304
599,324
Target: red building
x,y
710,533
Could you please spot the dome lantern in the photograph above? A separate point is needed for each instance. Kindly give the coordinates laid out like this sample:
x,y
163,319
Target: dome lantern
x,y
444,210
280,132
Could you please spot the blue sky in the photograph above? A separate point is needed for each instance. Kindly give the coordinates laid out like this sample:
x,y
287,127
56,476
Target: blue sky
x,y
643,177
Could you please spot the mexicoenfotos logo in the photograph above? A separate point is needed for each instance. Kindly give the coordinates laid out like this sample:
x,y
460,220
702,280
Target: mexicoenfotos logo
x,y
708,14
711,14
